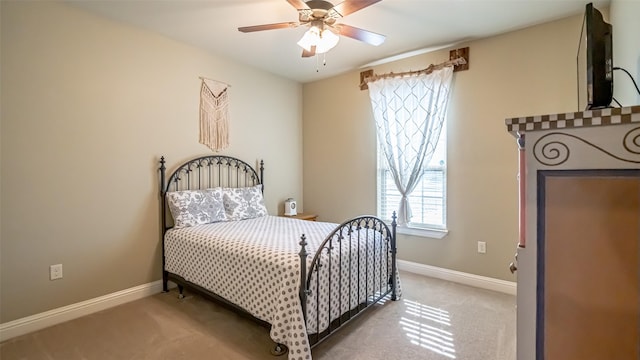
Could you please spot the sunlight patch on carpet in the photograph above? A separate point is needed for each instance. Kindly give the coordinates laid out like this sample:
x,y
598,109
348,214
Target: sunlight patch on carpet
x,y
428,327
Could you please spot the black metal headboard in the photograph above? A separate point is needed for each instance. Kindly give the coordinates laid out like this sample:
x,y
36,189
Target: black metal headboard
x,y
211,171
207,172
202,173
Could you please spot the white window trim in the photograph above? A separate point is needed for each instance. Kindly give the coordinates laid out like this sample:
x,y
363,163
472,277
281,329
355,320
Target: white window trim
x,y
422,232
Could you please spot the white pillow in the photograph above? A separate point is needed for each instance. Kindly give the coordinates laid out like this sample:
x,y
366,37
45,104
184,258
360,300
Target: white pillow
x,y
243,203
196,207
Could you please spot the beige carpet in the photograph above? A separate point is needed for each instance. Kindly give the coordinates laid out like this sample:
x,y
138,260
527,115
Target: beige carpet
x,y
435,320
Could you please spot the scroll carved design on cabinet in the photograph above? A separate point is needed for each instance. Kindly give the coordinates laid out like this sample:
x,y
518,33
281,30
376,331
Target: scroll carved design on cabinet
x,y
550,150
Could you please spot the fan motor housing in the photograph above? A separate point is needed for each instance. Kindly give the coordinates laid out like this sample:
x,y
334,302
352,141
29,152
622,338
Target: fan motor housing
x,y
319,5
319,8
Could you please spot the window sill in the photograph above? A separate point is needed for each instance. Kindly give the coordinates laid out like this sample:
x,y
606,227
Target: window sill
x,y
423,232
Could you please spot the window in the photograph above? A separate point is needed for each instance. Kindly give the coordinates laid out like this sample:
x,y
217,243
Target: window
x,y
410,113
428,200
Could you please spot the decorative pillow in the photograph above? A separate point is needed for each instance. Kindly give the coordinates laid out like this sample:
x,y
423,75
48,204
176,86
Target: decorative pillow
x,y
196,207
243,203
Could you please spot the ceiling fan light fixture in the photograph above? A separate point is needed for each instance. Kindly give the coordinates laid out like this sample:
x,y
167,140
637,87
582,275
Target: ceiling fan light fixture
x,y
310,38
323,40
328,40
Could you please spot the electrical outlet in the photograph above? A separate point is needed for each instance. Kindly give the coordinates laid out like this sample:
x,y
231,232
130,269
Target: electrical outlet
x,y
55,272
482,247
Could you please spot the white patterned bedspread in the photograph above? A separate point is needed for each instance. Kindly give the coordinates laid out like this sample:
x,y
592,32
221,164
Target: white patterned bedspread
x,y
255,264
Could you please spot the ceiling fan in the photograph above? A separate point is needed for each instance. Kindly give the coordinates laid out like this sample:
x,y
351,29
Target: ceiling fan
x,y
321,16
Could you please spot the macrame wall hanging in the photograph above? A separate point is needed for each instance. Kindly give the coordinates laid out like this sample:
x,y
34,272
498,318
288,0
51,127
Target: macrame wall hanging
x,y
214,114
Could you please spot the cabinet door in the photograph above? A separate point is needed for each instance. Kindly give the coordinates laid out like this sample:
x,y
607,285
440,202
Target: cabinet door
x,y
589,266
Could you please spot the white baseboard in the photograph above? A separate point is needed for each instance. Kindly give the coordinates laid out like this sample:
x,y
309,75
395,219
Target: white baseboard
x,y
39,321
483,282
56,316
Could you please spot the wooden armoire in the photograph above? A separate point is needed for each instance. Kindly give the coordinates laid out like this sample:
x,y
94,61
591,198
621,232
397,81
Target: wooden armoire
x,y
578,254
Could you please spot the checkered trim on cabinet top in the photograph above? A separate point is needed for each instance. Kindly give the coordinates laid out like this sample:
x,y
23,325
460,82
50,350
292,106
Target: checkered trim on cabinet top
x,y
601,117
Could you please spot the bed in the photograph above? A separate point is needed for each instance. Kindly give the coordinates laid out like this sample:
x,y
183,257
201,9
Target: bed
x,y
302,279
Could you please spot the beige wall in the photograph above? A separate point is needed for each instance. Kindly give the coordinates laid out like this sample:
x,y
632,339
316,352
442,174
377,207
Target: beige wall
x,y
88,107
626,49
526,72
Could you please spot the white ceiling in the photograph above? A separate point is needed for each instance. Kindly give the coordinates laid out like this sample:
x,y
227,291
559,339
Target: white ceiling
x,y
410,26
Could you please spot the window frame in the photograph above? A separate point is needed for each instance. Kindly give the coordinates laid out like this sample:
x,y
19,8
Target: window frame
x,y
415,229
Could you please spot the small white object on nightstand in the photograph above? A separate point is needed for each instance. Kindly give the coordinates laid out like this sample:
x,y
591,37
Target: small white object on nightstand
x,y
290,207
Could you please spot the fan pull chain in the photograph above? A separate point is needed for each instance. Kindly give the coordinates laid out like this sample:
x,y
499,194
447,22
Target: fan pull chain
x,y
324,61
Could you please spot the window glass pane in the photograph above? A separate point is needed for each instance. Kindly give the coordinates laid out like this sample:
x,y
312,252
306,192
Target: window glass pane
x,y
428,200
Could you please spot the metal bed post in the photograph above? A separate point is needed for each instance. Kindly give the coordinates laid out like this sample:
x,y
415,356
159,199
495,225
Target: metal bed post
x,y
163,223
304,291
394,265
261,180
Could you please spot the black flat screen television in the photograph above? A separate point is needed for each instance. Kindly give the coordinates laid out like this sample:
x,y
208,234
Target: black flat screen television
x,y
595,61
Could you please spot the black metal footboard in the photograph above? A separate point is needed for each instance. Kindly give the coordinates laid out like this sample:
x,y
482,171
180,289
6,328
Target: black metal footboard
x,y
353,269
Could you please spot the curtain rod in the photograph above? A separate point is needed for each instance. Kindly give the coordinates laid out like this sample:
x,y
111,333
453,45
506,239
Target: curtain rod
x,y
218,81
428,70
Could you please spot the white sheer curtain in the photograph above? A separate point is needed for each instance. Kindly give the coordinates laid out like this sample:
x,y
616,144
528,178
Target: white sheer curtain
x,y
409,112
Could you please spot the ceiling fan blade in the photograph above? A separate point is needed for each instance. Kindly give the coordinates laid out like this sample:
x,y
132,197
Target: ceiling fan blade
x,y
299,4
360,34
310,53
350,6
283,25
